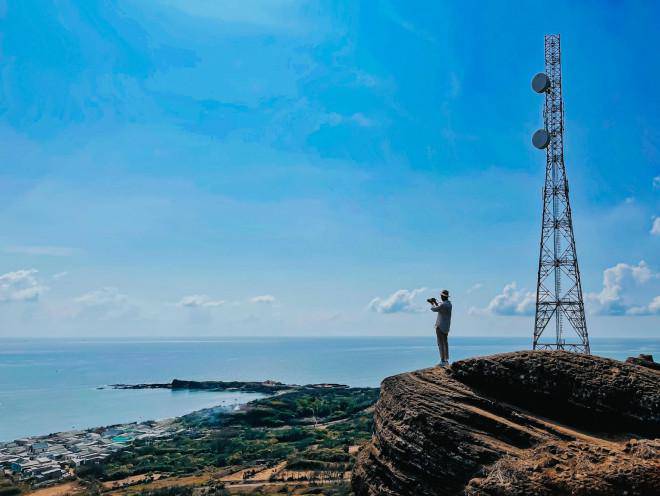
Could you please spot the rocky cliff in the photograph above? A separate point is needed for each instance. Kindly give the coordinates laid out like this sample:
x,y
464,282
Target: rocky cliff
x,y
544,423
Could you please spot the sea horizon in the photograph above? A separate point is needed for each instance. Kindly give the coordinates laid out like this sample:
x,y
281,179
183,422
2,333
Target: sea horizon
x,y
291,336
52,385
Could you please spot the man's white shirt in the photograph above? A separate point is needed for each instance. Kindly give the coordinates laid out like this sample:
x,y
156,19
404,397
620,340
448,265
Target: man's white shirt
x,y
443,321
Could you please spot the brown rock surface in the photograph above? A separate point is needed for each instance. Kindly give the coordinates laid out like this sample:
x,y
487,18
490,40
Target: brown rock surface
x,y
541,422
644,361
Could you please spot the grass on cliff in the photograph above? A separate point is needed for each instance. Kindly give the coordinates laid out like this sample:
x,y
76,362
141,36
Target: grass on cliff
x,y
293,490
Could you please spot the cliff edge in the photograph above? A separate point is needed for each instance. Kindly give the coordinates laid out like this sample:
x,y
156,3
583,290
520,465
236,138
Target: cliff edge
x,y
532,422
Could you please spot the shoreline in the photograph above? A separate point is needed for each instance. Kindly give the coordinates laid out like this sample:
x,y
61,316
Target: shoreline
x,y
58,457
53,458
228,408
265,388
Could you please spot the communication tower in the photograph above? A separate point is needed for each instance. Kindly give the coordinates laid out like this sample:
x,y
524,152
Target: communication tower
x,y
559,291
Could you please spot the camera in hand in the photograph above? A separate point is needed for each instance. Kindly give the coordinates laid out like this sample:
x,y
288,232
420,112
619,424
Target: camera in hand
x,y
433,301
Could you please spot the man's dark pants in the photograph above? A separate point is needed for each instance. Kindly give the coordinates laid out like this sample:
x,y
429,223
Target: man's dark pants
x,y
443,345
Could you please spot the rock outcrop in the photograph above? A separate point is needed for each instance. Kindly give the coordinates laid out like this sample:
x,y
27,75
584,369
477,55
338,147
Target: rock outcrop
x,y
542,422
644,361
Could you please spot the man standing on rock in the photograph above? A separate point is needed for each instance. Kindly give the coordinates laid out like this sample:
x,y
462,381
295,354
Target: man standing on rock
x,y
442,323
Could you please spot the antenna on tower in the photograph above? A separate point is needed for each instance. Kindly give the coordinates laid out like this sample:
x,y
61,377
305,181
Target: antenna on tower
x,y
559,290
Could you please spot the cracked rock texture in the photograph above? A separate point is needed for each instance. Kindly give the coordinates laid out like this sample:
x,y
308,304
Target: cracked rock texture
x,y
532,422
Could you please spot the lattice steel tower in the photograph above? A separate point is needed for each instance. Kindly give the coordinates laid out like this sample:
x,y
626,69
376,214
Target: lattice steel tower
x,y
559,291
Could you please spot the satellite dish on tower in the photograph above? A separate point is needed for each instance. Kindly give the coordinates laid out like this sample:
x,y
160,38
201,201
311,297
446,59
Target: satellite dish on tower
x,y
541,83
541,139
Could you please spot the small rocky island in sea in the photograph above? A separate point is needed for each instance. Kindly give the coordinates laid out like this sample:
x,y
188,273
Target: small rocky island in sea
x,y
532,422
264,387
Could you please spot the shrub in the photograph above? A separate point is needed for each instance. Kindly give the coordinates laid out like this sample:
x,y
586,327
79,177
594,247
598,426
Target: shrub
x,y
9,491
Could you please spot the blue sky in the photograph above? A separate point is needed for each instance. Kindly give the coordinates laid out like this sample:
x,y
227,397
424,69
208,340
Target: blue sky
x,y
191,167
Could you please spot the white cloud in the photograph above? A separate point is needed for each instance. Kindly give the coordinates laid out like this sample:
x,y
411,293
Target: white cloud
x,y
404,23
103,296
359,119
104,303
656,182
474,287
616,280
655,228
199,301
263,299
283,14
399,301
21,285
654,306
511,301
365,79
60,275
51,251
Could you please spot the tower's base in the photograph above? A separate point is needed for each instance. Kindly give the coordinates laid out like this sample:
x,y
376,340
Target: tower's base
x,y
577,348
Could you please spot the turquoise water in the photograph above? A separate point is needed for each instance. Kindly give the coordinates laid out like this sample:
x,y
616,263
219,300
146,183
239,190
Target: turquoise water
x,y
122,439
51,385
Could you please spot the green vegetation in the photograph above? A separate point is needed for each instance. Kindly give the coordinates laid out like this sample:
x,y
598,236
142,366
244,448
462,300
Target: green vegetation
x,y
334,490
7,488
311,429
168,491
342,489
308,406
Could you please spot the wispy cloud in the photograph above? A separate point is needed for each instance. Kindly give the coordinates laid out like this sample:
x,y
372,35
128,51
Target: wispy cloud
x,y
101,296
655,227
280,15
263,299
510,302
401,301
358,118
104,303
199,301
656,182
367,80
361,120
408,25
21,285
474,287
51,251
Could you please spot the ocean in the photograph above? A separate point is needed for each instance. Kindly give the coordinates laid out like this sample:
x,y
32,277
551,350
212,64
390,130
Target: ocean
x,y
50,385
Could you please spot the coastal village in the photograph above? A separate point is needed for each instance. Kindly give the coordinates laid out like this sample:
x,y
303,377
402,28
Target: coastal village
x,y
41,460
299,439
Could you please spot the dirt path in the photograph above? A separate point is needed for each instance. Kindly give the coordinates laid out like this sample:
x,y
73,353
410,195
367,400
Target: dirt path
x,y
239,488
265,475
190,480
133,479
59,490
